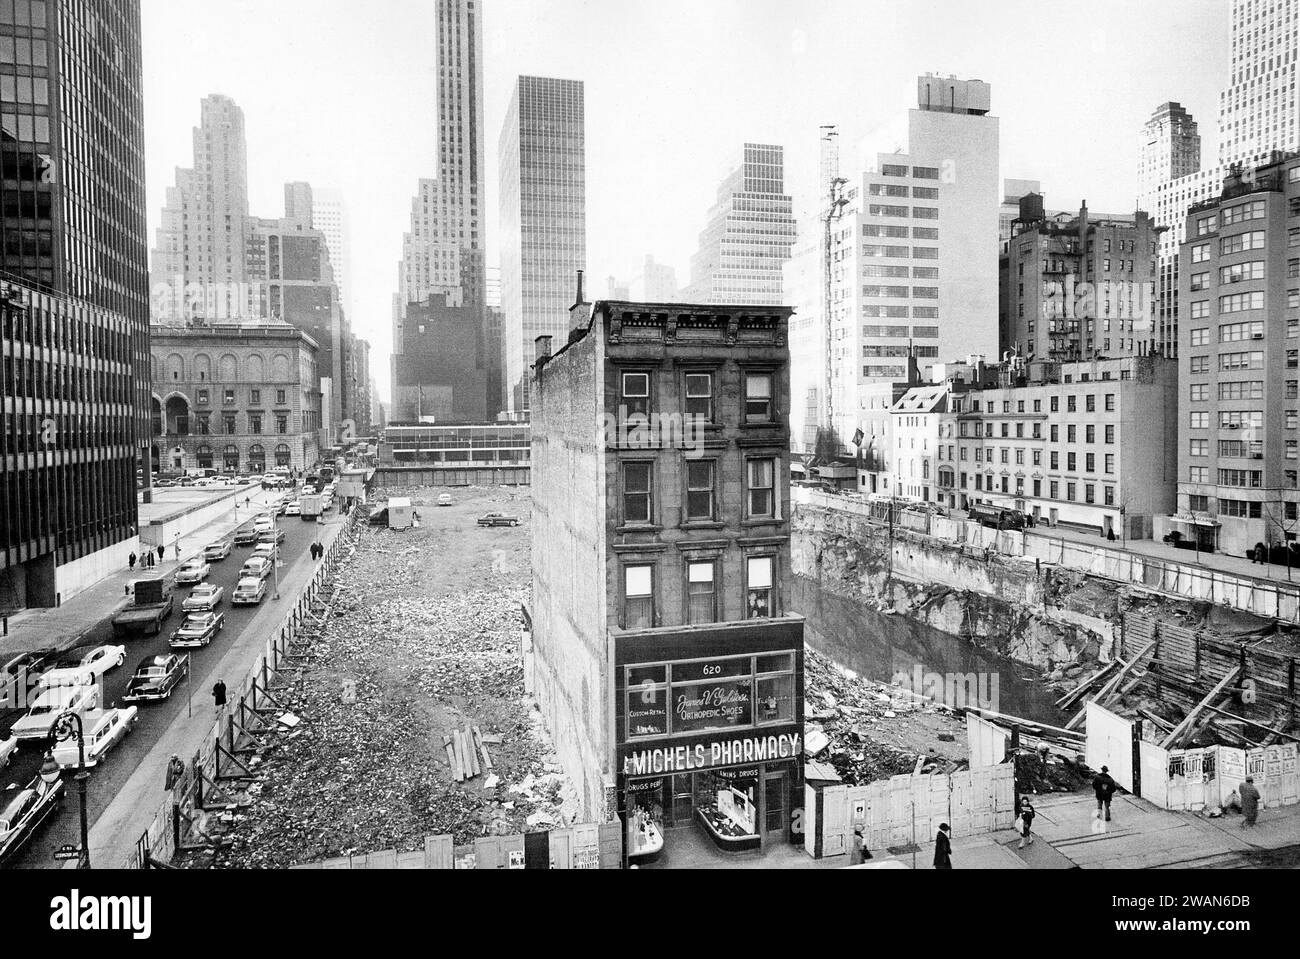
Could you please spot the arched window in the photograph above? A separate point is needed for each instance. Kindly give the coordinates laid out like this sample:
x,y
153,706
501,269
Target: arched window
x,y
283,455
257,458
232,458
205,457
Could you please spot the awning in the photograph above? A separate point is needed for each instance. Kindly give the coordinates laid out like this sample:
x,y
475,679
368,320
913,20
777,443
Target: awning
x,y
797,468
1209,523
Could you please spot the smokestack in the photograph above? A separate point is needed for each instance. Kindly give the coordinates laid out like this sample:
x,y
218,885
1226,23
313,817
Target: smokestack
x,y
543,348
582,298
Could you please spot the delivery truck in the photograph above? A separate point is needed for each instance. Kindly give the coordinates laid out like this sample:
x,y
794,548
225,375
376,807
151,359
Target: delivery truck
x,y
150,605
312,505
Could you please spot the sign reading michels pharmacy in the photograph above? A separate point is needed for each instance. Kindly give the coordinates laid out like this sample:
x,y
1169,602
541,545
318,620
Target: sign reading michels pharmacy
x,y
724,752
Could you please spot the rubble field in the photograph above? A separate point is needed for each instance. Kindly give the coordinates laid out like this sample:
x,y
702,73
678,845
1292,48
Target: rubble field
x,y
870,731
422,641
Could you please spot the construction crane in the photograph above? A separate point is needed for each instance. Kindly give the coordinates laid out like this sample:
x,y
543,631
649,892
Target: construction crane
x,y
827,444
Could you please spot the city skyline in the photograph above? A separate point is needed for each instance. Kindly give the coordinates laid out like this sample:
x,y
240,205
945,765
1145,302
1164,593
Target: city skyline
x,y
1081,146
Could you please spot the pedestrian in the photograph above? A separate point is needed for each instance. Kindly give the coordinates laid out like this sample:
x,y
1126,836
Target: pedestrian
x,y
178,549
219,697
248,501
130,561
162,552
943,848
1249,802
1026,822
1105,788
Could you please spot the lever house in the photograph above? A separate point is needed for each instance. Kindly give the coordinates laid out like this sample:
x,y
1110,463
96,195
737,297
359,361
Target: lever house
x,y
665,662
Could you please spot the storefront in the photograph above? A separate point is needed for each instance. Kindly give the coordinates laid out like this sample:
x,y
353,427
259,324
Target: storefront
x,y
712,743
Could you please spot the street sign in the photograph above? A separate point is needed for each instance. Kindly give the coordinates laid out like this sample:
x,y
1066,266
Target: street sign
x,y
67,851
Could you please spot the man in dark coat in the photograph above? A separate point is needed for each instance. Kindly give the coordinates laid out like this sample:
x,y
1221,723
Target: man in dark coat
x,y
943,848
219,697
1105,788
162,551
1249,801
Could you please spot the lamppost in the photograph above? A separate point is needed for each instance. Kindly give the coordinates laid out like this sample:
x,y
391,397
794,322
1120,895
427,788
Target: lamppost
x,y
64,728
275,547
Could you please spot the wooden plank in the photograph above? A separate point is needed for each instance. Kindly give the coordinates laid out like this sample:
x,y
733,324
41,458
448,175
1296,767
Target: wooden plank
x,y
1190,718
478,741
460,757
1070,697
1275,730
470,752
1106,690
451,757
438,852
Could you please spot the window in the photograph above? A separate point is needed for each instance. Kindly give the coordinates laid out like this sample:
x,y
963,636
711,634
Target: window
x,y
1200,253
1199,448
758,398
1071,403
230,425
699,490
1240,302
1241,241
1071,462
1240,272
254,423
1110,402
636,394
203,398
1200,281
228,398
1200,364
699,395
1090,433
1110,463
762,489
1200,421
255,397
759,588
638,597
637,492
701,597
1198,474
1201,337
1110,433
1200,309
1243,212
1090,403
282,424
1241,361
1242,390
279,397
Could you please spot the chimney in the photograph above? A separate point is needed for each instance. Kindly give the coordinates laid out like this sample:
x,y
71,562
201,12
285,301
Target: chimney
x,y
543,349
580,312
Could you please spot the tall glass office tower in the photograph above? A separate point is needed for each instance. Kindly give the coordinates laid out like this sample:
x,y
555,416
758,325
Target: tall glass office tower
x,y
543,220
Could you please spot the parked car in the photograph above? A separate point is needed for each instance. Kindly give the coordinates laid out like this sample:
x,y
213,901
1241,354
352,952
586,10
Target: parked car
x,y
246,536
27,666
103,730
49,705
155,678
498,519
193,573
199,629
275,535
7,748
205,598
264,522
293,509
25,812
267,551
249,592
164,484
186,481
444,499
97,660
215,552
256,567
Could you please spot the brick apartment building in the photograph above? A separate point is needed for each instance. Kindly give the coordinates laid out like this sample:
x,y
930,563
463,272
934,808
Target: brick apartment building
x,y
666,662
1239,362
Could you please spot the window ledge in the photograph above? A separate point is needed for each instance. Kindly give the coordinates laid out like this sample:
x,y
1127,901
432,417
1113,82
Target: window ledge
x,y
702,525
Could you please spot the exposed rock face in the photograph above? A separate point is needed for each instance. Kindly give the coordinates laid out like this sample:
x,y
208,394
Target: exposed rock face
x,y
1043,617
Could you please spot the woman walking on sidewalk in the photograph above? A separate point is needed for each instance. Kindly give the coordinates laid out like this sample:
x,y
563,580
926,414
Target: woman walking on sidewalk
x,y
130,562
1026,822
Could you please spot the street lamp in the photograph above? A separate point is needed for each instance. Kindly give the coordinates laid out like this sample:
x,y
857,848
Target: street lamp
x,y
64,728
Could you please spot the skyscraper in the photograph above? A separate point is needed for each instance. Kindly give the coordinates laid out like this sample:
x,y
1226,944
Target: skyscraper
x,y
75,302
1257,115
543,219
329,214
204,232
748,236
442,254
906,265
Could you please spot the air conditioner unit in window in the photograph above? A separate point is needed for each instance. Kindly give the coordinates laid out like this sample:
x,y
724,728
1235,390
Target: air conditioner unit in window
x,y
1257,456
1257,336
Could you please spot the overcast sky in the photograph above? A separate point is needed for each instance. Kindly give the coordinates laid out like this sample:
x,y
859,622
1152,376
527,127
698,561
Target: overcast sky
x,y
342,94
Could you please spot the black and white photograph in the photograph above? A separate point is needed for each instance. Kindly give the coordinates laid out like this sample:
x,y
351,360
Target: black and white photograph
x,y
823,437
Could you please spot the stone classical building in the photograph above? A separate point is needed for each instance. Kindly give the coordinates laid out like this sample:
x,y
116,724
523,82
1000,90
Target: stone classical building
x,y
239,399
666,661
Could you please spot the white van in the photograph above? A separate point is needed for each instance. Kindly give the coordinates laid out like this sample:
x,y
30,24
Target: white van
x,y
104,729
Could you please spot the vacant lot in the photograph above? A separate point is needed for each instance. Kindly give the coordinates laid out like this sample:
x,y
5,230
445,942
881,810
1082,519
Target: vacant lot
x,y
425,629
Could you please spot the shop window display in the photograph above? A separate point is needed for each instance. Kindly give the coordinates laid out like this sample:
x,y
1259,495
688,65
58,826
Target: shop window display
x,y
726,804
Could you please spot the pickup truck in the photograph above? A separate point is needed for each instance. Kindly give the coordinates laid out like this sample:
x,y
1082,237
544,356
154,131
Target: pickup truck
x,y
151,606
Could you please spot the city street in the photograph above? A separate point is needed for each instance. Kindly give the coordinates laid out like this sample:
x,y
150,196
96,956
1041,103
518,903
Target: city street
x,y
193,696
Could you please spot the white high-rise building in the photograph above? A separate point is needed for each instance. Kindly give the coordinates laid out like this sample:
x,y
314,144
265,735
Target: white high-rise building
x,y
1257,115
329,214
747,239
912,261
203,235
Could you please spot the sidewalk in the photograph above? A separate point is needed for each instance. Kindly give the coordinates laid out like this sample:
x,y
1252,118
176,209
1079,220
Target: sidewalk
x,y
1222,562
114,834
1139,836
61,628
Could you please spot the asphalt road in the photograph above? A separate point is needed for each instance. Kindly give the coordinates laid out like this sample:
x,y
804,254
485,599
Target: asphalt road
x,y
154,718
